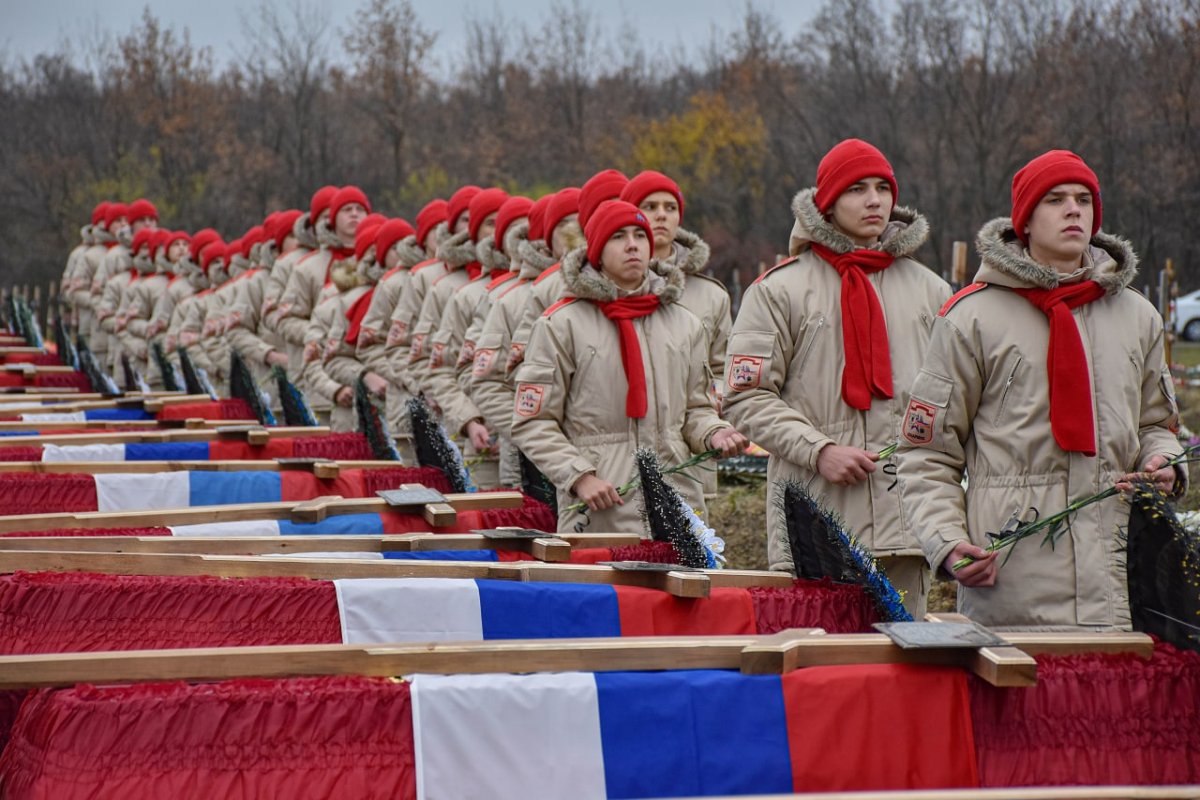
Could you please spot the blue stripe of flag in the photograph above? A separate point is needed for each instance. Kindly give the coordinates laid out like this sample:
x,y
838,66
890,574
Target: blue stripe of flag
x,y
216,488
547,610
442,555
692,733
167,451
117,414
362,524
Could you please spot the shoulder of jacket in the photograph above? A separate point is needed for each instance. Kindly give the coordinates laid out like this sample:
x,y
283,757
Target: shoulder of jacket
x,y
548,272
961,295
423,264
708,279
785,263
563,303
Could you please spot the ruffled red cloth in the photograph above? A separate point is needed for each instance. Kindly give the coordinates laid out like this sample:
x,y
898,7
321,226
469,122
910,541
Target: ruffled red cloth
x,y
234,408
19,452
1093,720
836,607
343,446
37,359
63,380
154,531
533,514
375,480
33,493
296,738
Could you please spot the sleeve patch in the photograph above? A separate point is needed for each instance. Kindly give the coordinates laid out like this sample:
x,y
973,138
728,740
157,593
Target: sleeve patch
x,y
745,372
529,399
919,419
483,362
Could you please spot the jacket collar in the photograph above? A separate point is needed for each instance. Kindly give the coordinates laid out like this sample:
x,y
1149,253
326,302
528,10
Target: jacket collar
x,y
587,283
1006,262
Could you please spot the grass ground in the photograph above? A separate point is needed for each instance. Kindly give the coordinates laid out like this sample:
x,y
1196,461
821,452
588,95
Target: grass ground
x,y
739,513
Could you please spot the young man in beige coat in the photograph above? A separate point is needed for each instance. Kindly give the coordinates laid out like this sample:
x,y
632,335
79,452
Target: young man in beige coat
x,y
1044,383
825,346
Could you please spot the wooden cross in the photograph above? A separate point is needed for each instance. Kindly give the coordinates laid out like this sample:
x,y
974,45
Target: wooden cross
x,y
313,510
755,655
547,547
254,434
321,467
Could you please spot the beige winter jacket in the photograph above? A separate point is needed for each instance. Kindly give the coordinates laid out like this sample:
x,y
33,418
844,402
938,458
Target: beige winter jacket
x,y
980,404
569,411
783,374
455,253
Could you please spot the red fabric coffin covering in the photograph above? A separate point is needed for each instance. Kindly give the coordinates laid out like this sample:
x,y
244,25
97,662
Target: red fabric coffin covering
x,y
63,380
153,531
235,408
1093,720
37,359
51,612
534,515
375,480
344,446
22,493
836,607
296,738
19,453
11,378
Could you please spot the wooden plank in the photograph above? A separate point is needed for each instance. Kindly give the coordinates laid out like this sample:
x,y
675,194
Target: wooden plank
x,y
264,545
158,436
237,512
43,426
447,658
322,469
1062,643
679,583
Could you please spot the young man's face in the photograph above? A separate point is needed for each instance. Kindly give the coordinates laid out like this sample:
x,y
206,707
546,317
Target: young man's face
x,y
463,223
392,259
1060,226
346,223
863,210
486,228
626,256
662,209
144,222
431,241
176,251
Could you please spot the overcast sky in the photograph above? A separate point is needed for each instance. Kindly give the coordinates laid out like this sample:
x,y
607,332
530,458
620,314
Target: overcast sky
x,y
31,27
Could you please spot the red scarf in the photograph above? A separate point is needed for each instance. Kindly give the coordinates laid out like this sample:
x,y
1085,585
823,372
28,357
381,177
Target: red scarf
x,y
474,270
624,312
499,278
1072,418
868,370
355,314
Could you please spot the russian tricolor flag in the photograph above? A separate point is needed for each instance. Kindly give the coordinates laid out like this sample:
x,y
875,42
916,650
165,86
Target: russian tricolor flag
x,y
98,414
381,610
137,491
691,733
214,450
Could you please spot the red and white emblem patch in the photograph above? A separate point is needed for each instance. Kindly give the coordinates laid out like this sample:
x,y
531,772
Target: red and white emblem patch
x,y
397,333
918,422
745,372
529,399
466,355
483,362
516,354
435,354
418,344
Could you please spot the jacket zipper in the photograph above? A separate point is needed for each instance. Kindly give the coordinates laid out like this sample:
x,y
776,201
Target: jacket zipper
x,y
1012,375
809,345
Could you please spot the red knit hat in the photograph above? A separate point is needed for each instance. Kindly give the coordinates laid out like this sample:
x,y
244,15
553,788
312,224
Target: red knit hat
x,y
176,236
98,211
254,236
1039,176
605,185
210,252
364,237
458,204
646,183
563,204
429,217
513,209
388,234
202,238
114,212
344,197
232,249
320,202
141,208
850,161
143,238
486,202
609,218
158,241
537,217
284,222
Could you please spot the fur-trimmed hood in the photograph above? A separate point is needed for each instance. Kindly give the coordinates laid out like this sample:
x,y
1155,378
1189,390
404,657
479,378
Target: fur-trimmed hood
x,y
369,270
536,258
102,236
143,264
1006,261
691,252
514,238
304,233
588,283
327,238
458,250
490,257
410,252
905,232
85,235
344,274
